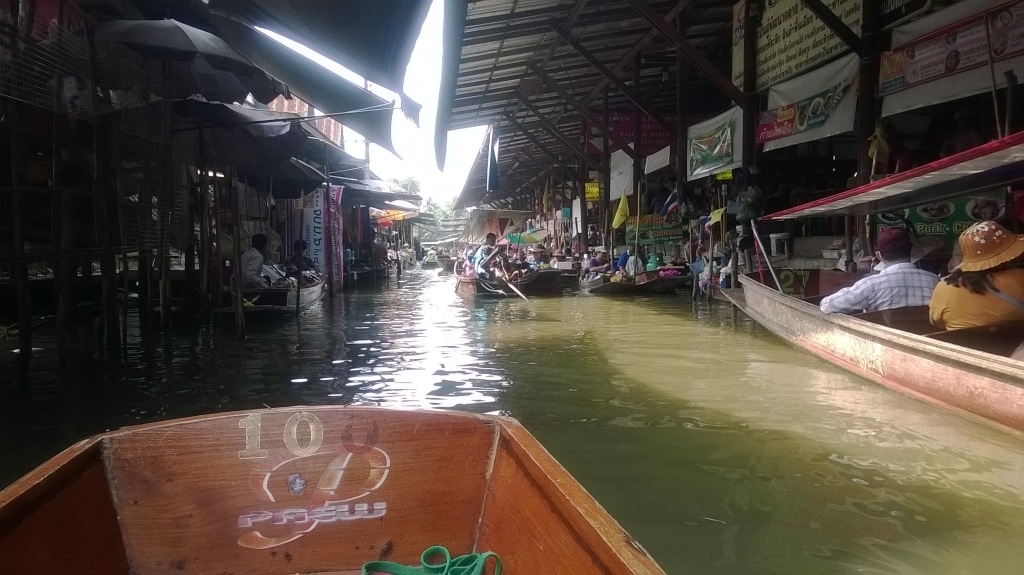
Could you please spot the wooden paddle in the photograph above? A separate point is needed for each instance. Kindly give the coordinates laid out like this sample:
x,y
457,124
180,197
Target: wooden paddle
x,y
514,288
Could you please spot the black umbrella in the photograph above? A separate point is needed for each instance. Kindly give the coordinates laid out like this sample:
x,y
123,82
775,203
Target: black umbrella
x,y
189,60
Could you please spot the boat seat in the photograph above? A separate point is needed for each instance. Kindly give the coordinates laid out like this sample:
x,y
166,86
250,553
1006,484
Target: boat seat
x,y
1006,339
913,319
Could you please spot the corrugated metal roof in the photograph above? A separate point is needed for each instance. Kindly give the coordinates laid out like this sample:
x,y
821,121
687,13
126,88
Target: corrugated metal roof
x,y
501,38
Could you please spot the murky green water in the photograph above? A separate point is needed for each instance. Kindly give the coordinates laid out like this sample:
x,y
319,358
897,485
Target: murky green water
x,y
720,448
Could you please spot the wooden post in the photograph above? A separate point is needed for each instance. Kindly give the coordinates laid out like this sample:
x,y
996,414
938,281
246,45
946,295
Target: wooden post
x,y
606,169
236,266
329,228
21,286
638,163
866,110
750,24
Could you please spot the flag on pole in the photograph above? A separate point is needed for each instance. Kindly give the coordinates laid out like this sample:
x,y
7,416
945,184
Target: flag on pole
x,y
671,204
492,163
622,213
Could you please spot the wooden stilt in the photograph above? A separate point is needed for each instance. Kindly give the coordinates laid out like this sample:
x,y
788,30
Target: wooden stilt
x,y
236,265
21,286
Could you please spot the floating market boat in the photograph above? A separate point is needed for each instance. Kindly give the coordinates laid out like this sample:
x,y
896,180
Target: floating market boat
x,y
976,372
603,285
544,282
655,282
307,490
447,263
282,297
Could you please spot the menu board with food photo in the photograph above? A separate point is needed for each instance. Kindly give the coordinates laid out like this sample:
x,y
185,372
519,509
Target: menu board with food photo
x,y
947,219
994,35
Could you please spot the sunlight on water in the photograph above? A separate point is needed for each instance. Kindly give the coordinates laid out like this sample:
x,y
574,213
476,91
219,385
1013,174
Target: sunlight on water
x,y
721,449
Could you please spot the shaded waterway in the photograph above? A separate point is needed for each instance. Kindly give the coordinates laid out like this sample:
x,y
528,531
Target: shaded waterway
x,y
718,447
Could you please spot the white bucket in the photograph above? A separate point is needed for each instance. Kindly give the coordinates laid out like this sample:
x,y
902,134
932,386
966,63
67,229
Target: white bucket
x,y
779,243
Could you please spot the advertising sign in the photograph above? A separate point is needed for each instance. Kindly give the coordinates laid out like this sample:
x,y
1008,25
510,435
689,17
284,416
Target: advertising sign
x,y
807,114
653,135
593,191
996,34
791,39
710,145
656,229
895,12
946,220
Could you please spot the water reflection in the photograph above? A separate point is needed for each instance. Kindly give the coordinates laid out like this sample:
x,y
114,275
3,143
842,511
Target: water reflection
x,y
719,448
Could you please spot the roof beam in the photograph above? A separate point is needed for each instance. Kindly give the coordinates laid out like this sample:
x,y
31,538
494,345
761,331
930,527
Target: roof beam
x,y
558,134
633,96
627,58
836,25
618,141
531,137
690,53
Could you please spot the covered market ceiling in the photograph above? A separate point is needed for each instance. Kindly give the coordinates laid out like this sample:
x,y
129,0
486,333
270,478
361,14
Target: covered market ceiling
x,y
528,67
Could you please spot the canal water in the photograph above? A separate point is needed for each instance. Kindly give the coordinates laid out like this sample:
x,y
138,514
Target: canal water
x,y
718,447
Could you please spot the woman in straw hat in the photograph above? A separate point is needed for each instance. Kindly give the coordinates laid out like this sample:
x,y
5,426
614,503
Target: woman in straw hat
x,y
987,287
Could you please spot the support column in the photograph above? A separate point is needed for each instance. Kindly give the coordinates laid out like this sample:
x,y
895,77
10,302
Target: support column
x,y
21,286
750,104
682,126
638,163
867,113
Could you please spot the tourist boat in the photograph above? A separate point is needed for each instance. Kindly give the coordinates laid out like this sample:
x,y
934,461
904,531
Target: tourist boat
x,y
602,285
653,282
976,372
278,298
447,263
307,490
430,264
537,283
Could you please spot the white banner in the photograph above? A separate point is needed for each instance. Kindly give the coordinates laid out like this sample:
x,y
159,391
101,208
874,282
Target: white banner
x,y
839,120
955,84
658,160
714,146
622,174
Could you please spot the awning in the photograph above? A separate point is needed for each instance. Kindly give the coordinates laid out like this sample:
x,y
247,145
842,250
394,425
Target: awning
x,y
988,166
373,39
322,88
497,222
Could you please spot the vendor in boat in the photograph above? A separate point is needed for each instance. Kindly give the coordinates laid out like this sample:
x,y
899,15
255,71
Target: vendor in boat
x,y
481,258
252,263
599,263
987,286
556,257
300,262
900,283
539,256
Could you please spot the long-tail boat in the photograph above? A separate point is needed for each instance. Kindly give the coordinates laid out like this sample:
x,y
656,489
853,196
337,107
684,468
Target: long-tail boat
x,y
543,282
976,372
307,490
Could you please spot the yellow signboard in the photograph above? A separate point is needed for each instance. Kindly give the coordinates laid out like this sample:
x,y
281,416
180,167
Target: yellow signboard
x,y
593,190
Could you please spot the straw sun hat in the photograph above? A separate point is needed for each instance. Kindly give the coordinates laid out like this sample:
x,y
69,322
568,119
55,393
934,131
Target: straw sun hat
x,y
986,245
538,248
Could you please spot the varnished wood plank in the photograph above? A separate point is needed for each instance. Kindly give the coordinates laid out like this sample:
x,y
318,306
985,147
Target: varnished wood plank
x,y
540,520
59,519
192,496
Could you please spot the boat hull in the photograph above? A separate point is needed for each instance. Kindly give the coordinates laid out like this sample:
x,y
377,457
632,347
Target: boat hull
x,y
652,283
546,282
275,300
274,491
602,286
983,386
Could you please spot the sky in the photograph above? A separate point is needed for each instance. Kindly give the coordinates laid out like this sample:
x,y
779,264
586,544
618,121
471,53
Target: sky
x,y
415,145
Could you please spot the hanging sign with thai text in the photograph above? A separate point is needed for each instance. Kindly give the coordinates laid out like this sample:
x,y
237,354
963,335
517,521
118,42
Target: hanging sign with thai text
x,y
993,35
656,229
791,39
799,117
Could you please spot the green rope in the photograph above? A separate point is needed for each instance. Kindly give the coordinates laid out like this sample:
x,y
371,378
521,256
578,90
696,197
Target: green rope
x,y
472,564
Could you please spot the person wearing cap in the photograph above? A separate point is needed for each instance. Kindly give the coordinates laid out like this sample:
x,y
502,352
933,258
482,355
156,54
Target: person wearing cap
x,y
987,286
899,284
599,263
